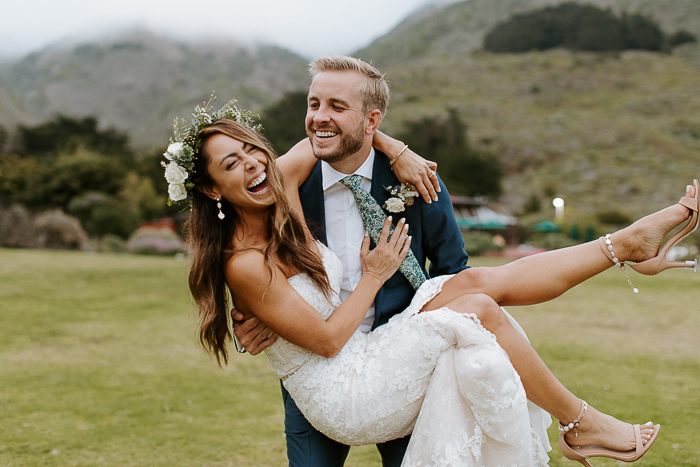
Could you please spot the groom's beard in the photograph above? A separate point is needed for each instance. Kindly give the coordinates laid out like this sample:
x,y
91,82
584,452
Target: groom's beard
x,y
348,144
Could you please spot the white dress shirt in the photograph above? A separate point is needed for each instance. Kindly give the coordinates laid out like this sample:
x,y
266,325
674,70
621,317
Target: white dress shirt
x,y
344,228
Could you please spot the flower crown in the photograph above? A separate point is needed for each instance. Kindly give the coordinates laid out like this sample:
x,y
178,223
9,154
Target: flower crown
x,y
184,147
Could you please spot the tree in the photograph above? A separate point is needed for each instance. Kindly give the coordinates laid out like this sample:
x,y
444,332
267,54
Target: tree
x,y
21,180
92,174
64,134
681,37
444,139
642,33
593,29
80,172
3,139
576,27
283,121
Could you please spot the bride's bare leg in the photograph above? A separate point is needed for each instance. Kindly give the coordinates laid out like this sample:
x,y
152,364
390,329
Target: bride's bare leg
x,y
541,386
542,277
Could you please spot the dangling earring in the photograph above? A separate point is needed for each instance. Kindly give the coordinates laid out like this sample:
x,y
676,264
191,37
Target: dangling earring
x,y
218,205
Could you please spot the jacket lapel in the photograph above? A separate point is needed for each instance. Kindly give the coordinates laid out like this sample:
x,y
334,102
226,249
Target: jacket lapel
x,y
382,176
311,196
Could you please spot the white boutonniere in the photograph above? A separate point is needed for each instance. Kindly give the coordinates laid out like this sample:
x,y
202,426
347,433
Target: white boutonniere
x,y
401,196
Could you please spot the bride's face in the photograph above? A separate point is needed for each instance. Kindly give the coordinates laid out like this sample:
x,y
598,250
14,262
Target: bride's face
x,y
239,171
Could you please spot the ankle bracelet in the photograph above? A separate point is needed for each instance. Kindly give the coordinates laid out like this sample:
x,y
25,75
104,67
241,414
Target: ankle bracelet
x,y
577,420
606,245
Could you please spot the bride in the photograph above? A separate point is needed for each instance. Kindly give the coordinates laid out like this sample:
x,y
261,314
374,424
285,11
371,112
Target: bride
x,y
436,369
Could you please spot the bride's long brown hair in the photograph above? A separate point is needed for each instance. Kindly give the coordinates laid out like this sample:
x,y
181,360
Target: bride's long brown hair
x,y
210,239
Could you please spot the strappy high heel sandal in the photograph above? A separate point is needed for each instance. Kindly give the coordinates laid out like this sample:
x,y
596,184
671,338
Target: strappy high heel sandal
x,y
582,453
660,262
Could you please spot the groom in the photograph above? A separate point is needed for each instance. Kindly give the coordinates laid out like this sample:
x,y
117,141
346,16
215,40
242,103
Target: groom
x,y
346,103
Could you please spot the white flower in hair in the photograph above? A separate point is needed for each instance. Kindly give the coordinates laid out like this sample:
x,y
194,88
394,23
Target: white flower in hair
x,y
173,152
177,191
175,174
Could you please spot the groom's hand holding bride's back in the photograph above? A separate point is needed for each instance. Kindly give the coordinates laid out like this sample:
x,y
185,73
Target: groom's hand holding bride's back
x,y
252,334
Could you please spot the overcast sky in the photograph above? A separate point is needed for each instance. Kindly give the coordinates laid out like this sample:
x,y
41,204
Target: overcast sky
x,y
309,27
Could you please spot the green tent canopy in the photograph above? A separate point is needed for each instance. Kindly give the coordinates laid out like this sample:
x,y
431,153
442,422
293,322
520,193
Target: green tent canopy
x,y
546,226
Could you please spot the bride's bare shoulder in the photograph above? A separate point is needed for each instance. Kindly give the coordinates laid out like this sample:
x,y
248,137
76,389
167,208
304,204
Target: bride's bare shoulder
x,y
246,267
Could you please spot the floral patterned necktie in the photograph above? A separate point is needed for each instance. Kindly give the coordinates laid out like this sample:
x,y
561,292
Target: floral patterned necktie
x,y
373,219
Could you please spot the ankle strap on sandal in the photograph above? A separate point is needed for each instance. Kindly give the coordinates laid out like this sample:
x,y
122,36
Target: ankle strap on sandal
x,y
577,420
607,247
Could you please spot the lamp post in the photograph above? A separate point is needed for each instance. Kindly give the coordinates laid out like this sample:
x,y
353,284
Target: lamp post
x,y
558,204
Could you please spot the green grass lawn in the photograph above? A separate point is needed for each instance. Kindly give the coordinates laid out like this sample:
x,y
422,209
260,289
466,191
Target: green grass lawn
x,y
100,366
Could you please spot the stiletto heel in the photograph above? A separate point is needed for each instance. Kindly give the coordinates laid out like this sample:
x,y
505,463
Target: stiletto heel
x,y
582,453
659,262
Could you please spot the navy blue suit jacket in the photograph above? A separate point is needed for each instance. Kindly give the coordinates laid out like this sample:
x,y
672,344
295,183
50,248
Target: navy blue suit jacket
x,y
433,227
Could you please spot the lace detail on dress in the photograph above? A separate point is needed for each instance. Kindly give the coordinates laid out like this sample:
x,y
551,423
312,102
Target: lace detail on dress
x,y
286,357
439,371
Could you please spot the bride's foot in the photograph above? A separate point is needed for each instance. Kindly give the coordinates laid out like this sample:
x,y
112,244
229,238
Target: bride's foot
x,y
599,429
642,240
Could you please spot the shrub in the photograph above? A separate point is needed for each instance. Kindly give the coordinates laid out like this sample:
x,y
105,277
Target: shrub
x,y
681,37
155,240
462,168
613,217
140,194
111,244
57,230
532,205
113,216
83,205
101,214
16,227
478,243
552,240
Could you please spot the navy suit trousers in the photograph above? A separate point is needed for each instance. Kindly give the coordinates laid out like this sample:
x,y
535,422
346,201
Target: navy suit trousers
x,y
307,447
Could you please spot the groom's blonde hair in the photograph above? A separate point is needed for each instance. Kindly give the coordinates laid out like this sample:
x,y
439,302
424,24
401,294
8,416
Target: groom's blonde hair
x,y
374,89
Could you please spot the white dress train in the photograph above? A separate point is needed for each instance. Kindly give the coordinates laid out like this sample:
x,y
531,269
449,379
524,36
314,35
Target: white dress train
x,y
439,375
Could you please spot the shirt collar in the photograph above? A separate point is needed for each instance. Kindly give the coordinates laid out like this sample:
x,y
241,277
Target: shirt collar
x,y
332,176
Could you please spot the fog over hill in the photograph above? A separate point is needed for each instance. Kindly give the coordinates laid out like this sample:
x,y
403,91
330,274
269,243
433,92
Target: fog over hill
x,y
139,82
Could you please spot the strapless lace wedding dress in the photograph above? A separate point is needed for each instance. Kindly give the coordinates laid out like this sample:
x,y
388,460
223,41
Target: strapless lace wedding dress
x,y
439,375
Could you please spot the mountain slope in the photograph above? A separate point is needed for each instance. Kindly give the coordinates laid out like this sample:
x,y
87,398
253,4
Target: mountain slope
x,y
460,27
139,83
603,131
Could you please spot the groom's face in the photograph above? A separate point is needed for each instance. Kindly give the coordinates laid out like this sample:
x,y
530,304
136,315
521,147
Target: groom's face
x,y
335,123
